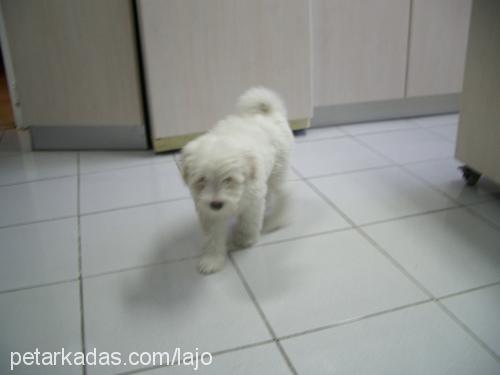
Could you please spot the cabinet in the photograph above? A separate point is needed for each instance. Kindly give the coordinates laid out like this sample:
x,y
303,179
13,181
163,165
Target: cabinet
x,y
359,50
438,42
200,56
75,62
478,143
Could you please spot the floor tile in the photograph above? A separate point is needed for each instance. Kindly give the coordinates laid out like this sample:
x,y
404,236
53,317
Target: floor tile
x,y
410,145
431,121
447,251
447,131
292,176
309,215
479,310
257,360
39,200
378,126
316,133
47,318
15,141
38,253
445,175
30,166
93,161
489,210
380,194
333,156
131,186
418,340
167,306
138,236
322,280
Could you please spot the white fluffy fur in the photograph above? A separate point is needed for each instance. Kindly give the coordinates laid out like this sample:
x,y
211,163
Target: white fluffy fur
x,y
242,163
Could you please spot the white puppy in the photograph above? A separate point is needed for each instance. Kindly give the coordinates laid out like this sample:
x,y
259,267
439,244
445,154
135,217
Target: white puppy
x,y
237,168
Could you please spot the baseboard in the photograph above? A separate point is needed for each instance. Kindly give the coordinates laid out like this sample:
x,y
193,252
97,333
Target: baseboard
x,y
385,110
135,138
176,142
116,137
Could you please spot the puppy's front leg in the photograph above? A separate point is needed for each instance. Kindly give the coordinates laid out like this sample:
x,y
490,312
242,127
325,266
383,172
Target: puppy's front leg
x,y
249,224
214,252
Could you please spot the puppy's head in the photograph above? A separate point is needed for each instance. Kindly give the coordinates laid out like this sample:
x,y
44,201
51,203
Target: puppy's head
x,y
217,174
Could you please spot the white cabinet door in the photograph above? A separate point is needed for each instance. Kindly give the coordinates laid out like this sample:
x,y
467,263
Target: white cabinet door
x,y
75,62
201,55
478,143
438,42
359,50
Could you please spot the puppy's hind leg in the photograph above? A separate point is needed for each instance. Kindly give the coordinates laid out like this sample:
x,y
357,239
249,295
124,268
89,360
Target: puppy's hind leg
x,y
214,251
249,224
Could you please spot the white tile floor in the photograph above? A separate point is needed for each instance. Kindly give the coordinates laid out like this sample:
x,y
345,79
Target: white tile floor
x,y
391,265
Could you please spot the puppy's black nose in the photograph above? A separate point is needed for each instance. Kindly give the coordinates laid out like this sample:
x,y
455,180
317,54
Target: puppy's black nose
x,y
216,205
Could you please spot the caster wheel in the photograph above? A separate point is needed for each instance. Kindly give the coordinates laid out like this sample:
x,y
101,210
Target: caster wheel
x,y
470,176
300,132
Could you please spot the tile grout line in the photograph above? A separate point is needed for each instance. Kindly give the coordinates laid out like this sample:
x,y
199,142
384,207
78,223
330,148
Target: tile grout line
x,y
370,240
243,347
78,172
391,164
140,266
443,137
408,274
354,320
145,204
456,202
485,220
262,315
177,260
350,171
80,278
37,221
29,287
459,205
95,212
302,179
325,327
467,330
142,164
43,179
466,291
411,126
346,134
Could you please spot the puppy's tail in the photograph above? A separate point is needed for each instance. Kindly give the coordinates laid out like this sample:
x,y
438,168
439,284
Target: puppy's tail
x,y
259,100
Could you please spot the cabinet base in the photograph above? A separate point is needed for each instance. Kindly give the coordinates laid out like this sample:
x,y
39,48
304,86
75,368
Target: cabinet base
x,y
385,110
178,141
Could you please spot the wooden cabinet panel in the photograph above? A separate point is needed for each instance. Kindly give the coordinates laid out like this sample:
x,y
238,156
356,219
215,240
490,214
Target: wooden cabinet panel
x,y
75,62
201,55
438,41
359,50
478,143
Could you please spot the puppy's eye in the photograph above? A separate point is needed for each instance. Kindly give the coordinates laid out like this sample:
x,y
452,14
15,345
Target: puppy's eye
x,y
227,180
200,181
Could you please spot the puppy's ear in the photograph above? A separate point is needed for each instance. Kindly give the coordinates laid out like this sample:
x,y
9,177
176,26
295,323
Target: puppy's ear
x,y
251,166
184,168
186,160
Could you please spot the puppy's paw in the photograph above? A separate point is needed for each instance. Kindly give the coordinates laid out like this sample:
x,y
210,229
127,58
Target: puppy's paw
x,y
210,263
243,240
271,224
274,222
